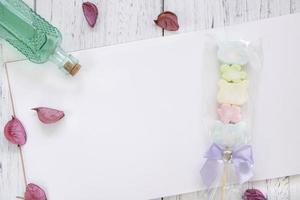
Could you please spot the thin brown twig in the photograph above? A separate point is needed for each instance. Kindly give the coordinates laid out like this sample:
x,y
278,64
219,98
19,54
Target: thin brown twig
x,y
14,114
23,165
9,90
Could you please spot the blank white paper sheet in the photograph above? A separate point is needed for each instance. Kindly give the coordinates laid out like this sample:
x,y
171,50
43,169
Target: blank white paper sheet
x,y
134,115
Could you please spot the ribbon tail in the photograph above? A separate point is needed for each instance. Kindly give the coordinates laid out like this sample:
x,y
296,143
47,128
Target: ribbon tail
x,y
244,171
210,172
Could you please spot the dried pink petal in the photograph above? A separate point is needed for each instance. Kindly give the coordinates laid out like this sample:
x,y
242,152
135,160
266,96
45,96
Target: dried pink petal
x,y
253,194
34,192
48,115
167,20
15,132
90,12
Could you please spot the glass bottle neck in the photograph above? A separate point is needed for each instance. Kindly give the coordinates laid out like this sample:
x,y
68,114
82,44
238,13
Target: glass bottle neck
x,y
65,61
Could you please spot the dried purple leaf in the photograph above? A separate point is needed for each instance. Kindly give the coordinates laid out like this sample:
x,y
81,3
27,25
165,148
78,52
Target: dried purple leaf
x,y
48,115
167,20
34,192
253,194
90,12
14,132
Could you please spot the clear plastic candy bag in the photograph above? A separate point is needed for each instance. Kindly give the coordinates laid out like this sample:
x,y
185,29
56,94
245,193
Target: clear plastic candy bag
x,y
232,69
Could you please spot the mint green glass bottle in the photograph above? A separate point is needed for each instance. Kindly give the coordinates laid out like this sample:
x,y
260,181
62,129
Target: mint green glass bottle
x,y
33,36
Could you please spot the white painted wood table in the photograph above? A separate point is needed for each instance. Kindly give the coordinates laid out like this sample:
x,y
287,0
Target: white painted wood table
x,y
127,20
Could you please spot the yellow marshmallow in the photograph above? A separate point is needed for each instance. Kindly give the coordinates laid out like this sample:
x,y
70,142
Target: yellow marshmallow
x,y
233,93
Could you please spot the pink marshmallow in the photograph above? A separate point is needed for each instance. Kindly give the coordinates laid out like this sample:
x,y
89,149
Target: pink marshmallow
x,y
229,113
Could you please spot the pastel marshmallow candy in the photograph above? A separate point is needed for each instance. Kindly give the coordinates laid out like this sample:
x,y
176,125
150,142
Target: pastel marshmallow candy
x,y
232,93
233,73
229,135
233,52
229,113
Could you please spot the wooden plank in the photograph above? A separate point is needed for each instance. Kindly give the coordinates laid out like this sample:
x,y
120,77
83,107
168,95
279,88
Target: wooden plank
x,y
11,183
271,8
234,192
294,6
10,173
203,14
275,189
260,185
278,189
295,187
189,196
119,21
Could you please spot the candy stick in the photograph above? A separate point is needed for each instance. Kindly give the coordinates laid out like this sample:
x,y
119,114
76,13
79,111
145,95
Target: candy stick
x,y
224,181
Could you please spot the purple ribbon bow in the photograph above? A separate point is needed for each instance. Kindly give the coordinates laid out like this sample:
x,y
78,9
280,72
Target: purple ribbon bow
x,y
240,157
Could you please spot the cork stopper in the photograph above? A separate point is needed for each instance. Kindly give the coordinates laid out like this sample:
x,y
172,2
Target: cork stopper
x,y
72,68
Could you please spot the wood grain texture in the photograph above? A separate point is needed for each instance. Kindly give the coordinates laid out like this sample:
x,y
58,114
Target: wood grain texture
x,y
278,189
11,178
10,169
203,14
128,20
119,21
294,187
275,189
